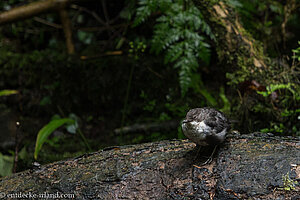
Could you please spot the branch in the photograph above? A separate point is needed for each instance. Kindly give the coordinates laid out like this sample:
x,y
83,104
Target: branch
x,y
32,9
35,8
67,30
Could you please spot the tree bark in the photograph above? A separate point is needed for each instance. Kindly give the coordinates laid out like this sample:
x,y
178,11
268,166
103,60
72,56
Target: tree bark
x,y
244,167
236,48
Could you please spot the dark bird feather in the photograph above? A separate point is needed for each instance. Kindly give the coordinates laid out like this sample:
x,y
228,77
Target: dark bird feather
x,y
205,126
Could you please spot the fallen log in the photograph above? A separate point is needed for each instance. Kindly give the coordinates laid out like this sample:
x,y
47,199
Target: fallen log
x,y
244,167
149,127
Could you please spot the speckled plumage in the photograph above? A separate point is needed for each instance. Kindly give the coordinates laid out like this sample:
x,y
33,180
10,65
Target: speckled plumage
x,y
205,126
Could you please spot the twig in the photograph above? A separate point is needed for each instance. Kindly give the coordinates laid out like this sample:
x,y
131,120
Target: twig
x,y
97,17
16,148
99,29
105,11
84,139
109,53
154,72
43,21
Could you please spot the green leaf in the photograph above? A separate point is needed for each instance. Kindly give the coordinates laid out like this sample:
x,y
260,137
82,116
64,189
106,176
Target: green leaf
x,y
6,164
71,128
85,37
45,101
265,130
8,92
226,102
199,87
180,134
209,98
47,130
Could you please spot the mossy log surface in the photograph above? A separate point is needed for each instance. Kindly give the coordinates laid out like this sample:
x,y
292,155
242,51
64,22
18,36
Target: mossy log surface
x,y
244,167
239,53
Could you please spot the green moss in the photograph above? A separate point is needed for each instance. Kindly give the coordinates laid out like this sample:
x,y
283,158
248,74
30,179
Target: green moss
x,y
288,183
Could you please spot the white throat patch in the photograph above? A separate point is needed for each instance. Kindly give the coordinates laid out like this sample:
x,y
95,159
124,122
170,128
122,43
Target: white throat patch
x,y
201,127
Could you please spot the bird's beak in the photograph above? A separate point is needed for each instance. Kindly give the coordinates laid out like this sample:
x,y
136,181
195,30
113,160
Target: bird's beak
x,y
185,121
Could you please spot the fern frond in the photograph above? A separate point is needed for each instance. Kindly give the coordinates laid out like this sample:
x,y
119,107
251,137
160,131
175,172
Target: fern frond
x,y
146,7
160,34
174,52
177,34
173,36
186,64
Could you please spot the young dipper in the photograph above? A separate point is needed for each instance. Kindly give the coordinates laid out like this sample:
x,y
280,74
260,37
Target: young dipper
x,y
206,127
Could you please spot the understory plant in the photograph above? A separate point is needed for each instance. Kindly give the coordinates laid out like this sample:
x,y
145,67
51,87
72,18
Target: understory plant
x,y
273,107
180,33
283,101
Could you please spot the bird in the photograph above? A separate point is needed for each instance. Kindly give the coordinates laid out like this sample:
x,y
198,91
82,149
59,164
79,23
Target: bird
x,y
206,127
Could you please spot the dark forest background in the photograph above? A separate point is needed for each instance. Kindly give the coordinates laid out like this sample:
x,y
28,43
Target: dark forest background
x,y
132,71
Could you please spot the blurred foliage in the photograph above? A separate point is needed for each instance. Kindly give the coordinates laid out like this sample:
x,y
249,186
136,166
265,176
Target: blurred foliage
x,y
297,53
165,65
7,92
274,23
6,164
282,101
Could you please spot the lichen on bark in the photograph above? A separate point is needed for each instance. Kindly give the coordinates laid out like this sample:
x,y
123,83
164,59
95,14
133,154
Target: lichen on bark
x,y
237,50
